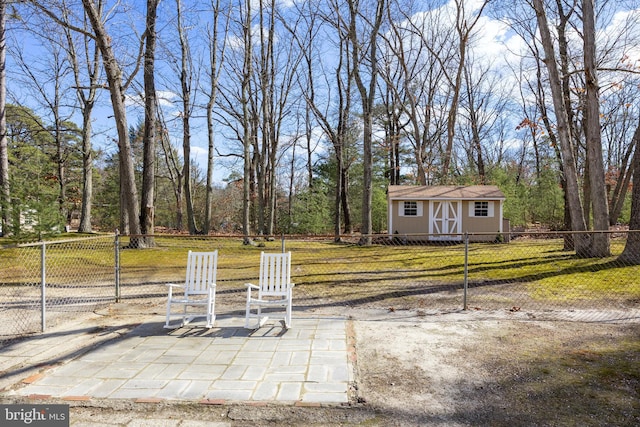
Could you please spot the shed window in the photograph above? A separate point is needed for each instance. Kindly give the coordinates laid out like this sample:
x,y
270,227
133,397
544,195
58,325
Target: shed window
x,y
411,208
481,209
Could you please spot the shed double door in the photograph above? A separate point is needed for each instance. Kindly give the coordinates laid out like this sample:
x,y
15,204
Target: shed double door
x,y
445,219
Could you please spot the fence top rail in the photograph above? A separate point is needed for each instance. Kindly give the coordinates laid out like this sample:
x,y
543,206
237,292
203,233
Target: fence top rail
x,y
50,242
376,235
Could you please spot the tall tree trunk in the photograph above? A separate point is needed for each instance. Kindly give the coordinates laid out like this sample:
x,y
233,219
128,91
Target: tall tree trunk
x,y
266,80
309,149
367,95
185,85
563,51
247,126
175,172
342,213
113,72
5,217
569,165
87,102
337,133
150,126
260,176
87,173
272,191
476,144
206,227
600,246
292,173
346,207
65,214
337,221
453,111
214,59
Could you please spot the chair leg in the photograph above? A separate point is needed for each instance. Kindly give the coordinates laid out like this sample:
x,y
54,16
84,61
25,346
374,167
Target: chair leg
x,y
210,307
210,315
247,314
166,324
185,318
287,317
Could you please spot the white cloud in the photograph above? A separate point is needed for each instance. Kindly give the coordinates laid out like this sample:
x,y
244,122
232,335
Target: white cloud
x,y
166,98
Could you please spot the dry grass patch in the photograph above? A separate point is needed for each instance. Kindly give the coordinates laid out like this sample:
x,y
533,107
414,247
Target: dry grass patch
x,y
572,374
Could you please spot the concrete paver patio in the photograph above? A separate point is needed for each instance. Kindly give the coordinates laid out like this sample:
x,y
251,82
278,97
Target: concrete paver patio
x,y
307,363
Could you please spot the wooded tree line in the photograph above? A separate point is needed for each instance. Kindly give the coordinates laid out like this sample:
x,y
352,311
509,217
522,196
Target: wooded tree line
x,y
309,109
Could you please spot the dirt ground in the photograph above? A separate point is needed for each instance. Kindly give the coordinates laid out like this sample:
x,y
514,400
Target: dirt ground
x,y
466,368
495,369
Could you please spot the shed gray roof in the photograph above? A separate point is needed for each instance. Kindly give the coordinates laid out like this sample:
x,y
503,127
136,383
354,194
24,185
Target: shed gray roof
x,y
429,192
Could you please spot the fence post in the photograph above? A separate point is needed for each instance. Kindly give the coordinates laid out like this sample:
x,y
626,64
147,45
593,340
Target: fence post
x,y
117,264
43,284
466,270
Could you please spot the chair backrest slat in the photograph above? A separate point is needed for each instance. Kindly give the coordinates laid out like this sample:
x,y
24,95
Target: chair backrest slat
x,y
201,271
275,271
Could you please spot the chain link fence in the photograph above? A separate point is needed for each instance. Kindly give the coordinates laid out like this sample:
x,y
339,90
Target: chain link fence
x,y
44,283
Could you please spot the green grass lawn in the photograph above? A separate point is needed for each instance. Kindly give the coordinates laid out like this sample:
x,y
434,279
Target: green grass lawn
x,y
539,269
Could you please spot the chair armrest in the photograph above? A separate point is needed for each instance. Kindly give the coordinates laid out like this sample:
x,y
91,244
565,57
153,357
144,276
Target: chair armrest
x,y
174,285
251,286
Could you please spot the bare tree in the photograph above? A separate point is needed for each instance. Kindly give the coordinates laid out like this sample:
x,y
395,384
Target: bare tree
x,y
464,28
572,189
248,134
364,52
600,241
631,252
150,125
474,110
272,75
47,78
129,208
305,33
87,95
283,59
117,89
174,169
617,130
333,112
216,53
186,85
539,120
236,110
569,127
419,48
4,151
389,117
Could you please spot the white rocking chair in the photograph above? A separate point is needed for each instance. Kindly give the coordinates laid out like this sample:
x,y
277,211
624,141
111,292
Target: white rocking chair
x,y
274,289
199,290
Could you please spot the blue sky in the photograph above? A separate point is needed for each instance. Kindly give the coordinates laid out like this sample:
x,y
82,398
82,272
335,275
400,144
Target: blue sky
x,y
495,43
